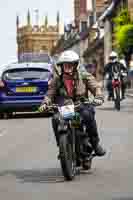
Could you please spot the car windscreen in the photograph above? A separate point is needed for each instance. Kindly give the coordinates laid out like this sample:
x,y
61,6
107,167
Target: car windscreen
x,y
24,74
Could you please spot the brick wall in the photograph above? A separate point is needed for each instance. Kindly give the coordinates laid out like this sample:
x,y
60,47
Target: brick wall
x,y
83,6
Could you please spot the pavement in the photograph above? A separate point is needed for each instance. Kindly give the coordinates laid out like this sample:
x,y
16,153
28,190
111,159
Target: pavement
x,y
129,93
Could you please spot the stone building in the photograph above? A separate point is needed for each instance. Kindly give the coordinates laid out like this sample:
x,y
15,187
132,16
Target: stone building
x,y
115,7
35,38
93,47
100,48
80,14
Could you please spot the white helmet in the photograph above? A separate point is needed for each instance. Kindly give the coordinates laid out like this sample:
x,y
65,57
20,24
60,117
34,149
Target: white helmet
x,y
68,56
113,56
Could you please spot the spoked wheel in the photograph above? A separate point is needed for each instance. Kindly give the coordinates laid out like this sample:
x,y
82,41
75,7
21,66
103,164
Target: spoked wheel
x,y
66,157
117,100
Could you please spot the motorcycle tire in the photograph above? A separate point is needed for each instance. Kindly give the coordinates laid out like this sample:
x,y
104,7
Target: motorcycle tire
x,y
66,157
117,100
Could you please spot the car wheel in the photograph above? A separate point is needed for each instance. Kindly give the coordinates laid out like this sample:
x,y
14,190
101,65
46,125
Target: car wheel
x,y
7,115
1,115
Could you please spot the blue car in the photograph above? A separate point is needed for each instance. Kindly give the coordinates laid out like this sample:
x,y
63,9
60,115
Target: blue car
x,y
23,86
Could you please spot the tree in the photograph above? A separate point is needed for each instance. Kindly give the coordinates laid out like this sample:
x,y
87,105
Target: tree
x,y
123,32
124,38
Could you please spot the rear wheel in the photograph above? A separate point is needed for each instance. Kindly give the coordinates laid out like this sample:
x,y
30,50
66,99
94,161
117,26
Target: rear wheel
x,y
1,116
117,100
66,157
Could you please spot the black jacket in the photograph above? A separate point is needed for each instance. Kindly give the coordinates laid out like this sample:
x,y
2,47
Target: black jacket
x,y
113,67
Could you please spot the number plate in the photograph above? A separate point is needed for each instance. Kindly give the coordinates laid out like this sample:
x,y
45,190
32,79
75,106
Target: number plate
x,y
67,111
26,89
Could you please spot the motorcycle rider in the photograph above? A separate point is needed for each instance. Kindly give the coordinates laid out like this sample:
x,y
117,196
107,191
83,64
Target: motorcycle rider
x,y
114,66
69,85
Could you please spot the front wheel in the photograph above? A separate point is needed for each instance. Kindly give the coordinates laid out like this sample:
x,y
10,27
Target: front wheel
x,y
66,157
117,98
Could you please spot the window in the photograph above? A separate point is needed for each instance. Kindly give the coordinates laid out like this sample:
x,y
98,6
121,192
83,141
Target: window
x,y
26,74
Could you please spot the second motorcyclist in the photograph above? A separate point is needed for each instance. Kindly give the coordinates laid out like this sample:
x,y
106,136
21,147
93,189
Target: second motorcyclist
x,y
114,66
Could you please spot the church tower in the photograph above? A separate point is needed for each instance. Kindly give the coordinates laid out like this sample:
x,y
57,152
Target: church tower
x,y
36,39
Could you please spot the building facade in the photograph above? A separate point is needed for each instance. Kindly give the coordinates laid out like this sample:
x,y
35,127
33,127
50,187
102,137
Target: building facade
x,y
35,38
130,8
80,14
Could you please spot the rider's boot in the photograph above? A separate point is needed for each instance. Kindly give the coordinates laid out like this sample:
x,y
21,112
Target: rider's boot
x,y
109,98
99,150
94,140
123,94
86,164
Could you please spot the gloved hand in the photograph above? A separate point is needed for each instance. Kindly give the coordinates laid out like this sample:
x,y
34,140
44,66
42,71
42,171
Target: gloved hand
x,y
98,101
91,99
43,107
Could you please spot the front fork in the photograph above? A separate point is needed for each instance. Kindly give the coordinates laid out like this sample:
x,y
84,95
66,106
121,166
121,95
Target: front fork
x,y
114,93
65,127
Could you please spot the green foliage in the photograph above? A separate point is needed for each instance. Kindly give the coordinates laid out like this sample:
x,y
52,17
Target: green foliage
x,y
123,32
124,38
122,18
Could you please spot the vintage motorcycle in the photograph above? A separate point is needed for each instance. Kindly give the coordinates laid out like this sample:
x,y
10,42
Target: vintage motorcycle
x,y
117,92
75,149
117,88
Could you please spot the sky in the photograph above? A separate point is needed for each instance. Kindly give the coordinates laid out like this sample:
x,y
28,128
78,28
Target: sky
x,y
8,12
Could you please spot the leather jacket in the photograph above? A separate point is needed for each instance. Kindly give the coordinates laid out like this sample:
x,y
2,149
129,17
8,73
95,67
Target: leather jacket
x,y
85,85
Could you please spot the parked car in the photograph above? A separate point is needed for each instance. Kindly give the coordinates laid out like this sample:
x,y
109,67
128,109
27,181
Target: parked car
x,y
23,86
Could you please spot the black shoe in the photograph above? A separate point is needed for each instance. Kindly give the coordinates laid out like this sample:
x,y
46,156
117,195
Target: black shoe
x,y
87,164
109,98
99,151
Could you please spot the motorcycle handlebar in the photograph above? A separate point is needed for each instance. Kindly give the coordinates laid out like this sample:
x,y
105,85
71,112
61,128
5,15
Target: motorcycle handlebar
x,y
76,106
